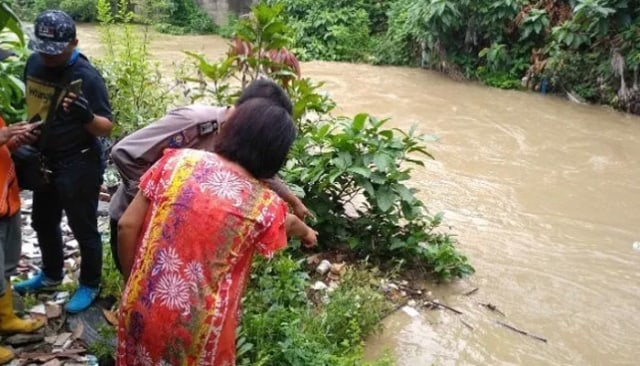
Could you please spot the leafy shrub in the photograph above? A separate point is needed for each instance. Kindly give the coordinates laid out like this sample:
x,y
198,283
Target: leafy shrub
x,y
328,30
136,90
353,173
80,10
589,47
228,29
12,107
281,326
177,17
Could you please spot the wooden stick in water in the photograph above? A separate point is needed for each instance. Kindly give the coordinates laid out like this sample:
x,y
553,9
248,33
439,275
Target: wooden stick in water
x,y
466,324
471,292
521,331
445,306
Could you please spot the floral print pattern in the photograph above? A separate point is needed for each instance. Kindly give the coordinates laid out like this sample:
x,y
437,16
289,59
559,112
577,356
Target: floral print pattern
x,y
205,221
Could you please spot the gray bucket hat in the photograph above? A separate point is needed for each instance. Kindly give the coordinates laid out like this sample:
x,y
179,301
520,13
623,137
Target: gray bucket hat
x,y
52,32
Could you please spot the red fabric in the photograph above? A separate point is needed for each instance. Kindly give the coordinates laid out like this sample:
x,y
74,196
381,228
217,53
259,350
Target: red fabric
x,y
9,191
205,221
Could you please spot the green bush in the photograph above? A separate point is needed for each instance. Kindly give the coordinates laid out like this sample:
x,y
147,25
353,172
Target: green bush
x,y
136,90
353,173
571,43
328,30
178,17
281,326
12,106
80,10
228,29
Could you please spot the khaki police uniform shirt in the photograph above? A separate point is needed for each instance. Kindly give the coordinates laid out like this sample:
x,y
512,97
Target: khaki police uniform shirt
x,y
192,126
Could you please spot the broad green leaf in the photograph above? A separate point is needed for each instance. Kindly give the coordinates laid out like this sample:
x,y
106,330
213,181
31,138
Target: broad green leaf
x,y
396,244
383,162
405,193
385,199
368,187
359,121
360,170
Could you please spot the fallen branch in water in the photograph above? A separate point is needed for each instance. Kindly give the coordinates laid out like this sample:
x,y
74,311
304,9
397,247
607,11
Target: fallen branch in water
x,y
493,308
471,292
436,303
521,331
466,324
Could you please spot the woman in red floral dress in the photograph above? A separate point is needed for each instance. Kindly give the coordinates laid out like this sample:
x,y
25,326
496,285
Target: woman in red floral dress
x,y
188,238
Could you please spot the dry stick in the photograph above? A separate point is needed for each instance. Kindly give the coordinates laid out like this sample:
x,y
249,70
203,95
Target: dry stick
x,y
521,331
471,292
466,324
493,308
445,306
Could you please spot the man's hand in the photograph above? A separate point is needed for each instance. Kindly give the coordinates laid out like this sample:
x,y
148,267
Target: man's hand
x,y
9,132
78,108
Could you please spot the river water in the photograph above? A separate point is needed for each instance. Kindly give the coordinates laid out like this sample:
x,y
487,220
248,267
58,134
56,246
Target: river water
x,y
543,194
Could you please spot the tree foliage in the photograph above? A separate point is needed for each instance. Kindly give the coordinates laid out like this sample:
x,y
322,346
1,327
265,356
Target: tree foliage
x,y
12,38
507,43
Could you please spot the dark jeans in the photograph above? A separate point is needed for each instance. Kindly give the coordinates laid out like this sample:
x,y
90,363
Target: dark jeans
x,y
75,188
114,244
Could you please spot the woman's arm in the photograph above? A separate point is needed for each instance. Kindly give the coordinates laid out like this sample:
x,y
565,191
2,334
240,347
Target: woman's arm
x,y
296,227
129,228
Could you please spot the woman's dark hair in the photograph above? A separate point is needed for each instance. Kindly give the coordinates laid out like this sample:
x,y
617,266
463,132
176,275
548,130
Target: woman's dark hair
x,y
267,89
258,136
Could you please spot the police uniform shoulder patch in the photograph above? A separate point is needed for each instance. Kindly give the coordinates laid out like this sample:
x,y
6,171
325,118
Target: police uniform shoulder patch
x,y
178,140
208,127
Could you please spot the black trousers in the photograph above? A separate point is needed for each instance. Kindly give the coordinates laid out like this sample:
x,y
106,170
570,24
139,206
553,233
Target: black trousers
x,y
114,243
75,188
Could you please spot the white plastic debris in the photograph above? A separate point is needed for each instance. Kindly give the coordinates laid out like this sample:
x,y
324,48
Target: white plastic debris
x,y
30,250
319,286
323,267
636,245
60,297
72,244
38,309
412,312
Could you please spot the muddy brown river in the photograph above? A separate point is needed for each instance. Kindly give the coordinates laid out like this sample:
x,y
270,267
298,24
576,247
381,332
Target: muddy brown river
x,y
543,194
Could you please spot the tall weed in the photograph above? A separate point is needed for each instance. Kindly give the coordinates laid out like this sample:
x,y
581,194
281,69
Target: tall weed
x,y
137,90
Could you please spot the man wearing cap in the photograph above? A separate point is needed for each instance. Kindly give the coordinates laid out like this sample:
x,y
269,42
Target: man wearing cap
x,y
10,228
192,126
66,93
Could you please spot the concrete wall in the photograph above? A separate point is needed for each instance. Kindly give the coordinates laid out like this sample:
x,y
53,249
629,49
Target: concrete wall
x,y
219,9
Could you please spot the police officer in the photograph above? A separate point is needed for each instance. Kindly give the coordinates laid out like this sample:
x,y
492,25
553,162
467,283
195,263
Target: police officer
x,y
194,127
68,94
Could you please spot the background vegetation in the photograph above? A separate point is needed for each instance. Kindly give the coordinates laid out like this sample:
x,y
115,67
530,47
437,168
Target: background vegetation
x,y
587,48
171,16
